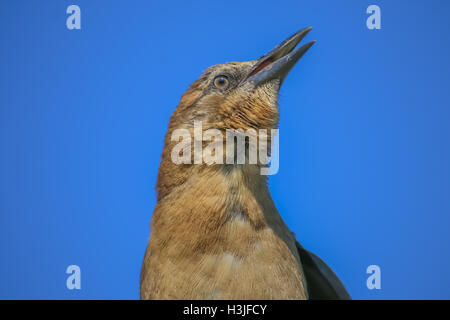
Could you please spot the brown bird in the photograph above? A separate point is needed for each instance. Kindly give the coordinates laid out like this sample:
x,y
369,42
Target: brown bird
x,y
215,230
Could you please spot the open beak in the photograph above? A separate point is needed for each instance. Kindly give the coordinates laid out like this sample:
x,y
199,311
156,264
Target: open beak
x,y
277,63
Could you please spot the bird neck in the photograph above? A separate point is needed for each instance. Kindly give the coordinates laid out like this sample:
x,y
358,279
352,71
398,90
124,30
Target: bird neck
x,y
209,196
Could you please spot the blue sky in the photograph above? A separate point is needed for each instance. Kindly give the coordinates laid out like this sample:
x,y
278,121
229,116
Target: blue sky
x,y
364,135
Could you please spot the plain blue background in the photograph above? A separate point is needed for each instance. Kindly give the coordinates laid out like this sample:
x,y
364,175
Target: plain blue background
x,y
364,135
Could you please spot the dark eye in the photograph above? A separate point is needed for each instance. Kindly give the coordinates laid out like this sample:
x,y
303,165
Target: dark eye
x,y
221,82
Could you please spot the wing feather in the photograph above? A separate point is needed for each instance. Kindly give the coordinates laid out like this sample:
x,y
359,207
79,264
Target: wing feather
x,y
322,282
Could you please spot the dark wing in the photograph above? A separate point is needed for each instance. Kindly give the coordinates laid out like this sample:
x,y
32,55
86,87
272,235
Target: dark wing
x,y
323,283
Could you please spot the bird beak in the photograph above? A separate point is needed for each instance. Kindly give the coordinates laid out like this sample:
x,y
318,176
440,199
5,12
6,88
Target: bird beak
x,y
277,63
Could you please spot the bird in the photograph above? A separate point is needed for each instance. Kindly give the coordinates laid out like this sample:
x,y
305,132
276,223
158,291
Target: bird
x,y
215,232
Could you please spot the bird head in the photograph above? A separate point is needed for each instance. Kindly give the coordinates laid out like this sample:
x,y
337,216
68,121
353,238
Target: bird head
x,y
241,95
234,95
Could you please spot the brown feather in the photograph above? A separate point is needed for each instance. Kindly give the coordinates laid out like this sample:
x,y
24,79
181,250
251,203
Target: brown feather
x,y
215,231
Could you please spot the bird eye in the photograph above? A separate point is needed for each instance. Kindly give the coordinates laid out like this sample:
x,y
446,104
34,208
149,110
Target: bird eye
x,y
221,82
